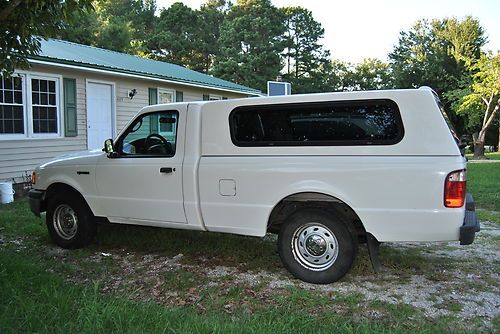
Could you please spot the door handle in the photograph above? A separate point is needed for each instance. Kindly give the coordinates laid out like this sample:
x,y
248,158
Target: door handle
x,y
167,170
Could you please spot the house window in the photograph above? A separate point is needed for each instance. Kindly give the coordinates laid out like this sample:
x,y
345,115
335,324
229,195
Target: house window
x,y
44,106
166,96
214,97
11,106
210,97
29,106
167,130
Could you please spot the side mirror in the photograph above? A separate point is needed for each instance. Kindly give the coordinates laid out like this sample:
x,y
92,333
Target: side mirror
x,y
108,146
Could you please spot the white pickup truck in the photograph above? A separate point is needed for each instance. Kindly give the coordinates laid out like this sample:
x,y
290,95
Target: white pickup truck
x,y
324,171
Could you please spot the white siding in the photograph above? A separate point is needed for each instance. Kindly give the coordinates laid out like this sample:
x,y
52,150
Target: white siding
x,y
23,155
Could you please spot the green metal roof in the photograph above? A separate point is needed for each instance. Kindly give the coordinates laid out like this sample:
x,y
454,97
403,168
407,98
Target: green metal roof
x,y
58,51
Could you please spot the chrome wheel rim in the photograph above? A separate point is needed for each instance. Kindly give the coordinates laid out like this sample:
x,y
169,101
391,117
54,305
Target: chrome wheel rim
x,y
315,247
65,221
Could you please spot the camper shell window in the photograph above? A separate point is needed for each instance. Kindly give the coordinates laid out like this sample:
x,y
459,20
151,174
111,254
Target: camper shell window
x,y
370,122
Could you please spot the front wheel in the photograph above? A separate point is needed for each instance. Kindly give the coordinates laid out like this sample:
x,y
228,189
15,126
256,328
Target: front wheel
x,y
70,222
316,247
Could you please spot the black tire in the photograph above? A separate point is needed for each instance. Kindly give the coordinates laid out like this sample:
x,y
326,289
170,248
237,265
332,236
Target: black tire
x,y
316,247
70,221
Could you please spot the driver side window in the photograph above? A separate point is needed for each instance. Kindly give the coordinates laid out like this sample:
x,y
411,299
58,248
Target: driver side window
x,y
152,134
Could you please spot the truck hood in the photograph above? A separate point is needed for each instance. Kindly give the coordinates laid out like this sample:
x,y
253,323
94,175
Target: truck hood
x,y
75,158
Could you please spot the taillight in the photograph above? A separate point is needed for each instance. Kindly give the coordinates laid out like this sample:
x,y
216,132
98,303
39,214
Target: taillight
x,y
454,189
33,178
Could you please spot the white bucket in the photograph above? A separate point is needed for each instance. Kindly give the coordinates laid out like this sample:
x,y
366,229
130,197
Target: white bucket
x,y
6,192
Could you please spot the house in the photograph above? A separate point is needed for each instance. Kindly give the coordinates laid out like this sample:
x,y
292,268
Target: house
x,y
76,96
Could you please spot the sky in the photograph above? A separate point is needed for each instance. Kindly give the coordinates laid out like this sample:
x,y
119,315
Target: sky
x,y
356,29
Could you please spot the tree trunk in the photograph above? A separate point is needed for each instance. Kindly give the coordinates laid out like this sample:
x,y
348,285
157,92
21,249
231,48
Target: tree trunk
x,y
479,145
479,151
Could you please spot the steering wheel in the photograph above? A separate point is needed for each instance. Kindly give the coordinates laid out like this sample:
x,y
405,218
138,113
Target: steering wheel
x,y
151,143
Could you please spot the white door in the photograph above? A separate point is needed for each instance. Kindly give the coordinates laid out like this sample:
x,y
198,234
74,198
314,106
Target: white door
x,y
99,114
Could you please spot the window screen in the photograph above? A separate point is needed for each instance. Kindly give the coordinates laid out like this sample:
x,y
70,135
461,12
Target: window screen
x,y
373,122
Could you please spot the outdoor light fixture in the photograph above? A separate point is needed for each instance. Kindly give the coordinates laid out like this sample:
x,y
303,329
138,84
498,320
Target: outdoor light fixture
x,y
132,93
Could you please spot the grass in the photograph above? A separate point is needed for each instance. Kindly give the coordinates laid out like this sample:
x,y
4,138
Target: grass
x,y
48,290
489,155
493,217
484,183
36,299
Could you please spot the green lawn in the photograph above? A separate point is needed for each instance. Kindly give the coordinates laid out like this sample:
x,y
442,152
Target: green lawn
x,y
489,155
484,184
36,298
46,290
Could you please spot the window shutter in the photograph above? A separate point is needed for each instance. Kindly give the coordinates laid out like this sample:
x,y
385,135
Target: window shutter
x,y
206,97
70,118
153,96
179,96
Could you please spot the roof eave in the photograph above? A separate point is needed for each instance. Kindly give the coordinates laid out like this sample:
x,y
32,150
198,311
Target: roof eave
x,y
130,73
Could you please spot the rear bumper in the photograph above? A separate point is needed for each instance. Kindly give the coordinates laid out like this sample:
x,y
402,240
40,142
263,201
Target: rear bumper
x,y
37,201
471,222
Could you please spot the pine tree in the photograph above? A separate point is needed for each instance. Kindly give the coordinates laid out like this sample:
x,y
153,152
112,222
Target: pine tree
x,y
251,43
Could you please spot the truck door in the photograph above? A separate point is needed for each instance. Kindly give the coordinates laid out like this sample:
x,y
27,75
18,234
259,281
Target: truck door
x,y
142,183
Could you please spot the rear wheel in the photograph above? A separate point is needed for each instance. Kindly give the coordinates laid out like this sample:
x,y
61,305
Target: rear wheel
x,y
316,247
70,222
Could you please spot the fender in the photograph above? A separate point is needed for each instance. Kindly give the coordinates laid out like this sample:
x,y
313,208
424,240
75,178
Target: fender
x,y
81,178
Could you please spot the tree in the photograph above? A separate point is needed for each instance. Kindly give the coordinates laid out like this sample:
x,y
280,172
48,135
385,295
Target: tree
x,y
420,59
250,44
25,22
483,98
305,58
211,17
139,13
115,25
175,37
462,40
371,74
115,34
83,29
125,24
439,54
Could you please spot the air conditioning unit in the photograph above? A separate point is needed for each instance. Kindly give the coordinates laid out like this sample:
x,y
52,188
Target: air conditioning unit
x,y
276,88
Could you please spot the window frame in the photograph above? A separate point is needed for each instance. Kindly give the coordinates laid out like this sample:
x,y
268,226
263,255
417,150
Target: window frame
x,y
119,142
212,97
28,107
164,90
343,103
174,129
58,106
14,136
